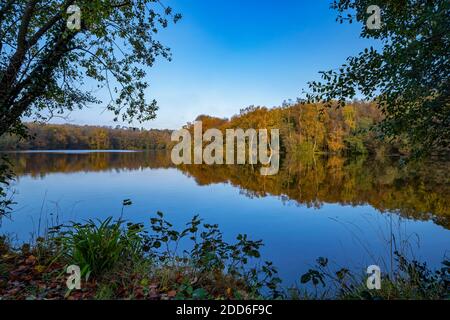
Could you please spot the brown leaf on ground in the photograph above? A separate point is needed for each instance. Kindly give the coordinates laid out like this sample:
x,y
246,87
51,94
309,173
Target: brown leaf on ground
x,y
171,294
31,260
139,293
154,293
179,278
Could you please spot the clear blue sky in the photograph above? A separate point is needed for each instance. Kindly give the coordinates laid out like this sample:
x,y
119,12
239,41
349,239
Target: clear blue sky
x,y
229,54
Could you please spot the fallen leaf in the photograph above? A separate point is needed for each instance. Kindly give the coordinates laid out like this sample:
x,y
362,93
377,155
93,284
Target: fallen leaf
x,y
171,294
30,260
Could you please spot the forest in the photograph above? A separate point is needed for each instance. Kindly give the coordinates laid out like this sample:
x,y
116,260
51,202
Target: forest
x,y
304,129
73,137
315,128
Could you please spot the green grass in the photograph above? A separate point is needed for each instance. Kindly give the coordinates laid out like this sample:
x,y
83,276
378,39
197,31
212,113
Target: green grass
x,y
99,247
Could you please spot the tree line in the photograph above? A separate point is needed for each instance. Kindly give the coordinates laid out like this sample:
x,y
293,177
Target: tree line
x,y
67,136
315,128
304,129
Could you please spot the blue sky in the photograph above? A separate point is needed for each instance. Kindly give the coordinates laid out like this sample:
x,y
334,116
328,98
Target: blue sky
x,y
229,54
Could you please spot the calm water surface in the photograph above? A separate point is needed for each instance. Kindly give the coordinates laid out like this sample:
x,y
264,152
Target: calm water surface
x,y
343,209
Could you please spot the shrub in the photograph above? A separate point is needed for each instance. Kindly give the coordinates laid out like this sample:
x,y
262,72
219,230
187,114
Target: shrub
x,y
410,280
124,255
213,262
99,247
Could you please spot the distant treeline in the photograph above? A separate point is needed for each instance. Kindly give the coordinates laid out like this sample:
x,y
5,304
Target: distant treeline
x,y
304,129
314,128
66,136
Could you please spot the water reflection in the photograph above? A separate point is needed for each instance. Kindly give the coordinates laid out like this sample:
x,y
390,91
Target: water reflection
x,y
414,190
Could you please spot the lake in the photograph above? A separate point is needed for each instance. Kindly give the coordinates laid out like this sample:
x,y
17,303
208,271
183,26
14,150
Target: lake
x,y
355,212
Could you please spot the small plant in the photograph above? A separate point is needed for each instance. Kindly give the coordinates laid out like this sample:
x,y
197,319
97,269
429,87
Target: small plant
x,y
411,280
99,247
212,260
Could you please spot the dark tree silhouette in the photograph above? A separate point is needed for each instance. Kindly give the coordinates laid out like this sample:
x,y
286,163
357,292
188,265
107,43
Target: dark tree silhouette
x,y
408,77
44,63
